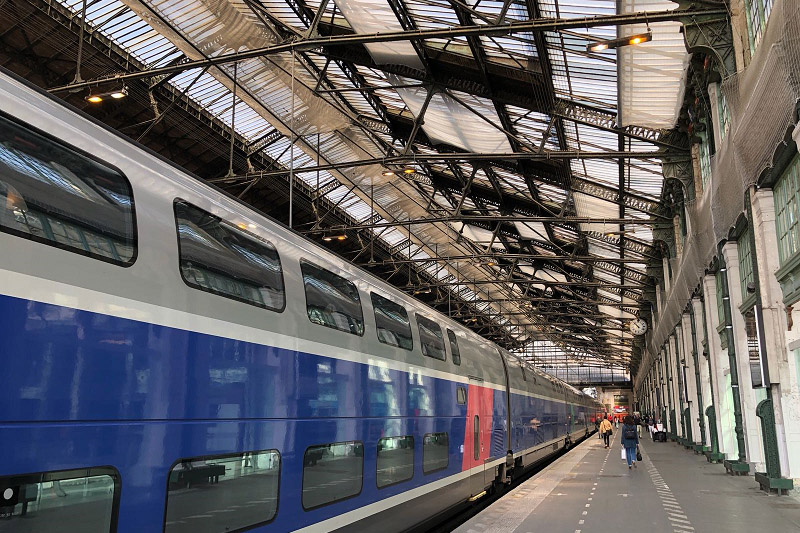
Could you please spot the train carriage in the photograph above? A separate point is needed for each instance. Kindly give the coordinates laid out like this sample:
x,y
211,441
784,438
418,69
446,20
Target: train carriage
x,y
175,361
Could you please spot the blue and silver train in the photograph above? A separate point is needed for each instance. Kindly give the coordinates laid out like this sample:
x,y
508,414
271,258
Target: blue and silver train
x,y
174,361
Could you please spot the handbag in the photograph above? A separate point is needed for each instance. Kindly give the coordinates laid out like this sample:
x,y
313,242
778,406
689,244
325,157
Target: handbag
x,y
622,453
638,454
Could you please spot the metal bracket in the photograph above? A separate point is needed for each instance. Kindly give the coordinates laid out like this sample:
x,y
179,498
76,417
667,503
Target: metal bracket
x,y
711,35
683,172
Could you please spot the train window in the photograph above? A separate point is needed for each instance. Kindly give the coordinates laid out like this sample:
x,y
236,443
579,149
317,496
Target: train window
x,y
435,452
395,460
331,300
394,327
332,472
200,490
219,257
454,347
461,395
72,500
430,337
54,194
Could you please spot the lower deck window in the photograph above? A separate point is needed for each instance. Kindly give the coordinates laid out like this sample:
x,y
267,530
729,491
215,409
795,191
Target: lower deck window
x,y
76,500
222,493
395,460
332,472
435,452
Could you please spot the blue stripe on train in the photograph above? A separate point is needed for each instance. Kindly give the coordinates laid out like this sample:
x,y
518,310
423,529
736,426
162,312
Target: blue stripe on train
x,y
139,396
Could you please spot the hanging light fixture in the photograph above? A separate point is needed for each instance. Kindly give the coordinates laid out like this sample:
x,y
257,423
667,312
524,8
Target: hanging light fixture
x,y
633,40
116,94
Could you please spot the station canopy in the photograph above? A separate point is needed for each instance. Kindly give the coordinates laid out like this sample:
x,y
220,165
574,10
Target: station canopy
x,y
516,175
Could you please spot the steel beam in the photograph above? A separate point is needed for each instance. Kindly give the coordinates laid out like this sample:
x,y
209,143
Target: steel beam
x,y
311,43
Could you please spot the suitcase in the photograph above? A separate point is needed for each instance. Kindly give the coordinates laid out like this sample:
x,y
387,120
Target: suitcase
x,y
660,436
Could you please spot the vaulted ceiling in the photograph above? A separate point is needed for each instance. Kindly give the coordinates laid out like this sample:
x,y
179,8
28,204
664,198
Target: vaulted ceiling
x,y
472,153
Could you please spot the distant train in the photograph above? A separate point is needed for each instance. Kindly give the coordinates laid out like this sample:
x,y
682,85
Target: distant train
x,y
174,361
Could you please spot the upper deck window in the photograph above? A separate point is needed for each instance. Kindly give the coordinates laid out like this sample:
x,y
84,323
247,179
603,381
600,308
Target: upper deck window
x,y
454,347
332,300
217,256
394,327
430,336
54,194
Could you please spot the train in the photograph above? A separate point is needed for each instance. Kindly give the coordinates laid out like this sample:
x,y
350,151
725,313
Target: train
x,y
175,361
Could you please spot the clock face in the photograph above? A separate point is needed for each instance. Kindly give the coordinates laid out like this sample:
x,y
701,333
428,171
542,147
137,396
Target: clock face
x,y
638,327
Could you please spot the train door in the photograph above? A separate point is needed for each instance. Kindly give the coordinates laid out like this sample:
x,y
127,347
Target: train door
x,y
478,433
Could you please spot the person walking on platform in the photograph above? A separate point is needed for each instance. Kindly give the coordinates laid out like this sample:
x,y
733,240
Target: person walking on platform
x,y
629,440
605,430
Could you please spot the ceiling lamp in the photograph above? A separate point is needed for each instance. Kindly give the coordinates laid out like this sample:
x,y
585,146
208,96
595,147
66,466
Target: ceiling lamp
x,y
424,290
599,46
116,94
409,170
329,237
387,173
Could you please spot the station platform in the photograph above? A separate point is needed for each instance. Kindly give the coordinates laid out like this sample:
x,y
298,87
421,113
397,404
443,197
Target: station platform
x,y
590,489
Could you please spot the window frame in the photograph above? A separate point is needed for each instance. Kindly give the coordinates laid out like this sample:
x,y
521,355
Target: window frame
x,y
61,246
72,473
445,467
452,338
303,482
413,461
786,196
744,257
218,293
417,316
358,292
461,390
372,295
224,456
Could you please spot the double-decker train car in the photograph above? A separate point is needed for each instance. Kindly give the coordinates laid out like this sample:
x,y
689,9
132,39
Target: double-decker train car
x,y
174,361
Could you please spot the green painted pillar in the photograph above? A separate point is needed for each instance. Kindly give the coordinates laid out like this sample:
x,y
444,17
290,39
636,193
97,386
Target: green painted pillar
x,y
671,429
712,428
737,402
679,374
673,422
765,412
698,381
687,416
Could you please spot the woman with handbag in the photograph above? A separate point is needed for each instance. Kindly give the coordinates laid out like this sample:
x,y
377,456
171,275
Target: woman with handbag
x,y
629,440
605,430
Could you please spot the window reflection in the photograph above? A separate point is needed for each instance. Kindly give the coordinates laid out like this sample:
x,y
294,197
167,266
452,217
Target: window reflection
x,y
435,452
218,257
331,300
223,493
332,472
395,460
53,194
430,336
81,500
394,327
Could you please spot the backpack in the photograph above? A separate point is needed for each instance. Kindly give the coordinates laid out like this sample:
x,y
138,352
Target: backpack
x,y
629,433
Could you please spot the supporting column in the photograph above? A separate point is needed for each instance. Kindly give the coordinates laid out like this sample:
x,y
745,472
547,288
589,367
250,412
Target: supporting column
x,y
669,366
785,402
680,371
737,351
708,414
694,398
720,370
